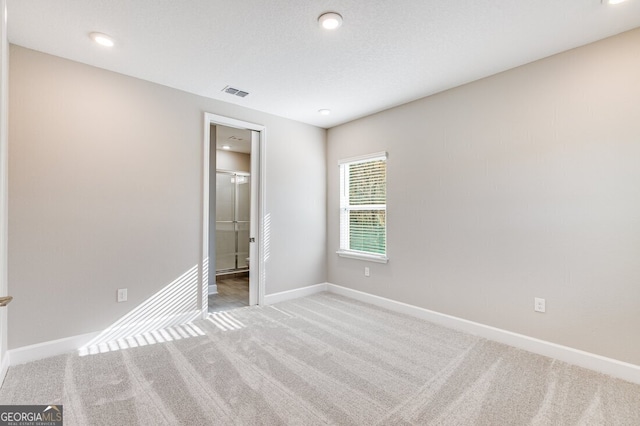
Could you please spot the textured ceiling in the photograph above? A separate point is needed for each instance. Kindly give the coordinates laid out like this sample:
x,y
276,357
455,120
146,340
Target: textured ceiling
x,y
386,53
238,140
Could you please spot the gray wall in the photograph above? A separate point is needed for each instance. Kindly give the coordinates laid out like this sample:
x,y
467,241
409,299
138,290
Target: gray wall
x,y
525,184
105,192
232,161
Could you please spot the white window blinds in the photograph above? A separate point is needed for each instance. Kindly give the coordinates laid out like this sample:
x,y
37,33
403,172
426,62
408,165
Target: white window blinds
x,y
363,207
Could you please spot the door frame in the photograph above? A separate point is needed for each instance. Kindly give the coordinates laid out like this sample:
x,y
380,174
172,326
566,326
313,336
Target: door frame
x,y
258,203
4,185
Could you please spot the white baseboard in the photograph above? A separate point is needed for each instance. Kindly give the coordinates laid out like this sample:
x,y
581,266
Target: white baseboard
x,y
4,366
74,343
270,299
50,348
213,289
612,367
620,369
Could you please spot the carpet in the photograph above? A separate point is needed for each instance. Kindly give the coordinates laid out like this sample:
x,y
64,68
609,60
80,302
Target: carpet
x,y
322,359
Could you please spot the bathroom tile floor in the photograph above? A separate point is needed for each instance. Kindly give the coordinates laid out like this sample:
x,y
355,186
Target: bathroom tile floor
x,y
233,292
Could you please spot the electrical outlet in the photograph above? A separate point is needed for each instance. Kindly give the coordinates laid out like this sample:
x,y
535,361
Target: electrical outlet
x,y
367,273
539,304
122,295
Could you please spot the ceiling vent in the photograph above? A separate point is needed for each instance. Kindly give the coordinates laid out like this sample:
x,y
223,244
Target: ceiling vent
x,y
233,91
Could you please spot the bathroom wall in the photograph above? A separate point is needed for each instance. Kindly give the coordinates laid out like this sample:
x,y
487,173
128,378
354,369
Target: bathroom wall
x,y
233,161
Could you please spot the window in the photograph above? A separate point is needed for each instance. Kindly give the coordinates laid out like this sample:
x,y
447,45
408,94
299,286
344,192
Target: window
x,y
363,207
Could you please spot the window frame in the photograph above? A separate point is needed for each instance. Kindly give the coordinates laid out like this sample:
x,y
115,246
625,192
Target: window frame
x,y
345,208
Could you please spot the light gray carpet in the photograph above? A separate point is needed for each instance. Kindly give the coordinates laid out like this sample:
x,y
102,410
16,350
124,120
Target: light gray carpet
x,y
322,359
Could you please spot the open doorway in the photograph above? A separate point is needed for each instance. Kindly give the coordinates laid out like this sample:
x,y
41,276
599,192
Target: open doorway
x,y
233,214
229,226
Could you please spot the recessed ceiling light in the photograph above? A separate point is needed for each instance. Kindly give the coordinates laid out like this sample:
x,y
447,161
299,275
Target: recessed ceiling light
x,y
324,111
226,147
330,20
612,1
102,39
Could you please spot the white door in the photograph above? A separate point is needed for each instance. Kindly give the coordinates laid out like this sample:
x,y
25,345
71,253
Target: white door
x,y
253,221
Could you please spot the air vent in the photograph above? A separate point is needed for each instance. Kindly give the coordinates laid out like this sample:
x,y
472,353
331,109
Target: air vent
x,y
233,91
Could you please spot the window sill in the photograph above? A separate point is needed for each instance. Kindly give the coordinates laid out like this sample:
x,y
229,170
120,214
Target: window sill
x,y
379,258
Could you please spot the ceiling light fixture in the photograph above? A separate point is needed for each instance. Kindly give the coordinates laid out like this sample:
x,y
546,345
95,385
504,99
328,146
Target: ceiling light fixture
x,y
330,20
102,39
227,147
324,111
612,1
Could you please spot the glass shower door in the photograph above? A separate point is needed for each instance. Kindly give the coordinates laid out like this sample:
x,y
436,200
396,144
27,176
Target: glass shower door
x,y
232,221
243,216
225,226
